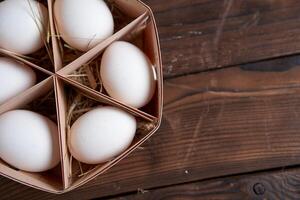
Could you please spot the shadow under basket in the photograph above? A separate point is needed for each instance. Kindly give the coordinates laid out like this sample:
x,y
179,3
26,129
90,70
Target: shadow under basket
x,y
59,96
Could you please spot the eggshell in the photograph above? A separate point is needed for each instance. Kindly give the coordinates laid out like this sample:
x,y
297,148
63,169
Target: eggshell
x,y
15,77
127,74
28,141
23,25
83,24
101,134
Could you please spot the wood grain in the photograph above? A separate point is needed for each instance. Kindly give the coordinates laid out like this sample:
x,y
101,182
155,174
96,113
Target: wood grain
x,y
280,184
198,35
222,122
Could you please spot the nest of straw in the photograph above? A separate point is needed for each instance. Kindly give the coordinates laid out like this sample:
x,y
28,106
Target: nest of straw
x,y
43,57
89,75
77,105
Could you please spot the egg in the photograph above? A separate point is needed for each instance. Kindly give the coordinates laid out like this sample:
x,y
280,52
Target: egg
x,y
23,25
15,77
28,141
83,24
127,74
101,134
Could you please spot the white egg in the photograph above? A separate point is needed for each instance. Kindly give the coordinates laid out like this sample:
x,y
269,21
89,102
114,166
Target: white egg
x,y
101,134
127,74
28,141
15,77
83,24
23,25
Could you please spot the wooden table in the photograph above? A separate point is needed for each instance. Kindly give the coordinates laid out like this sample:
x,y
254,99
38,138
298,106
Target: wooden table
x,y
231,126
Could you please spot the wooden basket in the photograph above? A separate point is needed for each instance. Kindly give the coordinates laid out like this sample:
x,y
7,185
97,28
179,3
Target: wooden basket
x,y
58,83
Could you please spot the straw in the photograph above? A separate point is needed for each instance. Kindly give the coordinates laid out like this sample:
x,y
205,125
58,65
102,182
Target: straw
x,y
42,57
78,105
44,105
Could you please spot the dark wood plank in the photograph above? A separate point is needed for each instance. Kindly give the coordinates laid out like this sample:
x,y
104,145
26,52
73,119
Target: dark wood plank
x,y
281,184
197,35
223,122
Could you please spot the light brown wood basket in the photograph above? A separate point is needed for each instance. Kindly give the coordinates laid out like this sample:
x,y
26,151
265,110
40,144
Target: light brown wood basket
x,y
56,81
